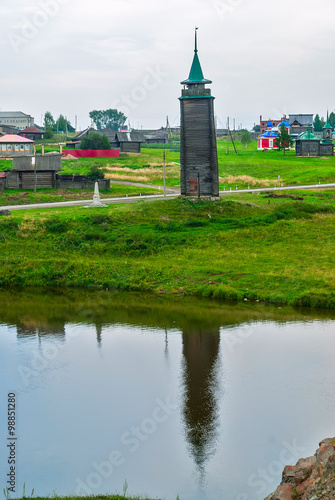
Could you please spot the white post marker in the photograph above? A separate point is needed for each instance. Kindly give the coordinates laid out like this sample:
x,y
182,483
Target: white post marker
x,y
96,197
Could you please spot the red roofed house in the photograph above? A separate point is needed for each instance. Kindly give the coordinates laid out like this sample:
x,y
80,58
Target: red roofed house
x,y
14,145
32,133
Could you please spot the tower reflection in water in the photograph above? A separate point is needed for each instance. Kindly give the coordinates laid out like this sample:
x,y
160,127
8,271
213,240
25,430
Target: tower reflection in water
x,y
201,385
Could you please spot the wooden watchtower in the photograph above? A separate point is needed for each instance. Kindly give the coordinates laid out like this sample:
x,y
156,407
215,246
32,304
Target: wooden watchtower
x,y
198,152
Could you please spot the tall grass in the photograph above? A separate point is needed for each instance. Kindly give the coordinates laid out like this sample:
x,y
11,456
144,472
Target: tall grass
x,y
241,248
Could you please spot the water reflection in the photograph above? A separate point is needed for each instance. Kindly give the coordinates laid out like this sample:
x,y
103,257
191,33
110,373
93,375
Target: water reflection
x,y
180,342
201,386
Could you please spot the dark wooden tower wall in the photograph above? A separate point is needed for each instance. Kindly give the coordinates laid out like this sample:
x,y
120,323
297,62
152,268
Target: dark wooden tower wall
x,y
198,152
199,173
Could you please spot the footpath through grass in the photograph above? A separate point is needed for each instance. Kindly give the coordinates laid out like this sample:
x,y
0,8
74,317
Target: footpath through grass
x,y
245,247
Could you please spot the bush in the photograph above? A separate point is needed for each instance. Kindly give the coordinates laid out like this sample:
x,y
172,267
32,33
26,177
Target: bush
x,y
95,173
48,134
95,141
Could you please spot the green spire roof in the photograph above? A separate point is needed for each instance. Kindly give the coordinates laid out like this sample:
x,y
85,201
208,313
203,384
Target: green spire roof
x,y
196,74
327,125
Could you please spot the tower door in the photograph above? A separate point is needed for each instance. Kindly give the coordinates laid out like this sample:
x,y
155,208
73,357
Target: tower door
x,y
194,187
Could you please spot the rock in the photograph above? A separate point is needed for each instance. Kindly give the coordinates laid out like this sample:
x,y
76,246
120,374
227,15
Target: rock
x,y
283,492
4,212
311,478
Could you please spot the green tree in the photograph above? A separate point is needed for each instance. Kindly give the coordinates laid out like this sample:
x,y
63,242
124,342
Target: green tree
x,y
63,125
318,123
245,137
95,141
257,128
108,118
284,140
49,122
332,119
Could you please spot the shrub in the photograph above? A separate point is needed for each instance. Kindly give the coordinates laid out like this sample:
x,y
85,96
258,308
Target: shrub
x,y
95,141
95,173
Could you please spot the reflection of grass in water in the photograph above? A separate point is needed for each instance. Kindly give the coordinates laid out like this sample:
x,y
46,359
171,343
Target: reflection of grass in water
x,y
243,247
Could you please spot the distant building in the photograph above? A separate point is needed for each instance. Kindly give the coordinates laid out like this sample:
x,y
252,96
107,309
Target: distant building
x,y
264,123
15,145
129,142
309,145
16,119
267,140
32,133
158,137
8,129
299,124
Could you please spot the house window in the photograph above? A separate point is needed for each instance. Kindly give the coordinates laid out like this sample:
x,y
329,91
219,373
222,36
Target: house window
x,y
271,143
16,147
9,147
27,147
21,147
4,147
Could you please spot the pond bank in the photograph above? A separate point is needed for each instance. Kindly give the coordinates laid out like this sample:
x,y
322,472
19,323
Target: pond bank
x,y
247,248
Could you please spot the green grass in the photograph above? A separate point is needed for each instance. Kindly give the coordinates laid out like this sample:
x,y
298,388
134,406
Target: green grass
x,y
91,497
279,250
26,197
248,167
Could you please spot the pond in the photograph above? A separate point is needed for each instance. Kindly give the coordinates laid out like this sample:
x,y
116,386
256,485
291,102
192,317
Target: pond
x,y
186,397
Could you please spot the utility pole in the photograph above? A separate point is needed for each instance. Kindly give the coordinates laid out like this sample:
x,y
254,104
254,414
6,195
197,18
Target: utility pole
x,y
227,152
164,173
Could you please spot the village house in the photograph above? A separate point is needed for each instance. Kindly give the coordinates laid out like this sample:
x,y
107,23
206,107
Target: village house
x,y
14,145
33,133
299,124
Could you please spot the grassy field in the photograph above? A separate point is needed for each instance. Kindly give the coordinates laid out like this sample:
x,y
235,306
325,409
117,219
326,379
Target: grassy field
x,y
24,197
246,247
248,167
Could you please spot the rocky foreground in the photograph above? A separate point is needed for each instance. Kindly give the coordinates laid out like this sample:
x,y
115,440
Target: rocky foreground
x,y
311,478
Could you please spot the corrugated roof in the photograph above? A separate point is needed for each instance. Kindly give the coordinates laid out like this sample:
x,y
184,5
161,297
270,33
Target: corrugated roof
x,y
13,138
130,137
303,119
31,130
13,114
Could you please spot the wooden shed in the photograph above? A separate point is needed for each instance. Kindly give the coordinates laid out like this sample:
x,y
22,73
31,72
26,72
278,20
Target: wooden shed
x,y
25,168
129,142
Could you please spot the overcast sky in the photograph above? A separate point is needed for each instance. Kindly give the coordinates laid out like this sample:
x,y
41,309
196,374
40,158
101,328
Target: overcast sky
x,y
73,56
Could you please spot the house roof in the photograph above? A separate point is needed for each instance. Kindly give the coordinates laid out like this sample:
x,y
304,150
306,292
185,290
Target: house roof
x,y
14,138
308,136
84,133
108,132
31,130
130,137
13,114
303,119
270,134
196,74
285,123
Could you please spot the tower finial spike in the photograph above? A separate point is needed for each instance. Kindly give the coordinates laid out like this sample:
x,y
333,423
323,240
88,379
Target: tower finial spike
x,y
196,41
